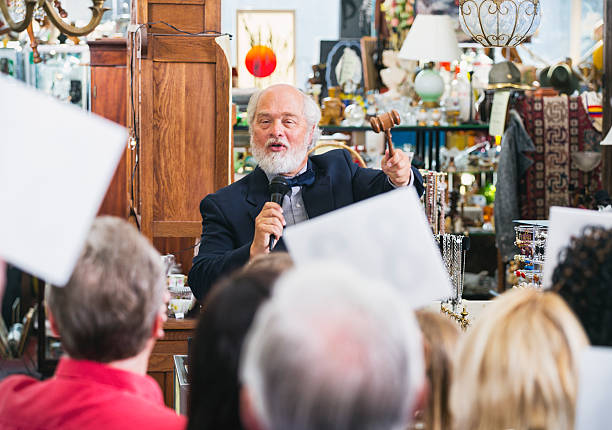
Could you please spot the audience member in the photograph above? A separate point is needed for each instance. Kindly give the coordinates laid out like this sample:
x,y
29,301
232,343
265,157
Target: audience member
x,y
331,350
229,311
583,277
108,316
280,262
440,337
517,366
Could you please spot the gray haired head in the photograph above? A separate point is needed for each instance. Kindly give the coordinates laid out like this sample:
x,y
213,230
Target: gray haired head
x,y
332,350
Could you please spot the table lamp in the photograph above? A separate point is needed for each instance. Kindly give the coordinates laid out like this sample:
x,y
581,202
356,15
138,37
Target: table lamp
x,y
431,38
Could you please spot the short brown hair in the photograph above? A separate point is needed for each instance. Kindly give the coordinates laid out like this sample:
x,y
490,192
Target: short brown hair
x,y
440,335
276,262
107,310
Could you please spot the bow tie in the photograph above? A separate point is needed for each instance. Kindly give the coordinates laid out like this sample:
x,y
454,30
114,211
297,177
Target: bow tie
x,y
305,179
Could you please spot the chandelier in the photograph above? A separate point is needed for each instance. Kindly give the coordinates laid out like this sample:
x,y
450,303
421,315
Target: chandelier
x,y
18,16
499,22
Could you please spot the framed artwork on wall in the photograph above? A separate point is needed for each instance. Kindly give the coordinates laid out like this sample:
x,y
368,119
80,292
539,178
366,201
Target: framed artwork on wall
x,y
342,59
265,47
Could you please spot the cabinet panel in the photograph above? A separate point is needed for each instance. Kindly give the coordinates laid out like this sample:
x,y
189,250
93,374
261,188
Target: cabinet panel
x,y
179,143
184,15
109,100
184,124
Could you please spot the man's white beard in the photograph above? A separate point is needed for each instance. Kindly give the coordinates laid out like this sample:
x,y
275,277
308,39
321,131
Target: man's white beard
x,y
277,163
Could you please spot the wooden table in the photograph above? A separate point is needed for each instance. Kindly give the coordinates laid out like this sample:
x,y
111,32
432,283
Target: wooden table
x,y
161,363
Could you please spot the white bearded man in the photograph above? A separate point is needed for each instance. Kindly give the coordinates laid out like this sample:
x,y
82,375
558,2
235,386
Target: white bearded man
x,y
238,220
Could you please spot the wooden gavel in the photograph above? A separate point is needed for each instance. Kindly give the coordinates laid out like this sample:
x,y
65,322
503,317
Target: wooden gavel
x,y
385,122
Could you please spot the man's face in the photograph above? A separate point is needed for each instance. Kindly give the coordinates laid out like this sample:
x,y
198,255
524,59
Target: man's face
x,y
280,133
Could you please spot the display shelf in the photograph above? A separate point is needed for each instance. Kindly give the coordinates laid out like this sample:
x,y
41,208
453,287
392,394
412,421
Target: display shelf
x,y
63,73
472,171
427,140
335,128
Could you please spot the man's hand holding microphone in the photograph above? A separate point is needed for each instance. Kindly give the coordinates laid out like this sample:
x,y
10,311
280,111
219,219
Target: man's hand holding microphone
x,y
270,222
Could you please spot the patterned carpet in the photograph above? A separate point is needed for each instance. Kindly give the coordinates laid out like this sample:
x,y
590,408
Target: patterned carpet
x,y
558,126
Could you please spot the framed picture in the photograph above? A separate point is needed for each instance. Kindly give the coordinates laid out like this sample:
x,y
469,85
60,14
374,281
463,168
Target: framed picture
x,y
265,47
342,59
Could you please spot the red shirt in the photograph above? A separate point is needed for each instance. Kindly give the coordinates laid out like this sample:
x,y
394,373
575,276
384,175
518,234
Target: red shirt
x,y
85,395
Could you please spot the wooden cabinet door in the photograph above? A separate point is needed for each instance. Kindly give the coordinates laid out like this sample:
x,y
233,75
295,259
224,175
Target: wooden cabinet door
x,y
182,110
185,134
109,100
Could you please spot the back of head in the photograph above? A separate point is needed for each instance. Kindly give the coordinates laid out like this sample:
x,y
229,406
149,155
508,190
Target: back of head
x,y
332,350
440,336
228,313
107,310
583,277
275,262
517,366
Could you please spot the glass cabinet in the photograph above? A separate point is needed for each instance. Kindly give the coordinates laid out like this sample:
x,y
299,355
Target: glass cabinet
x,y
63,73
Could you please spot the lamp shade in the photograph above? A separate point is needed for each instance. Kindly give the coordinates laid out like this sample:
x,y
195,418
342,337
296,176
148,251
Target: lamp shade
x,y
431,38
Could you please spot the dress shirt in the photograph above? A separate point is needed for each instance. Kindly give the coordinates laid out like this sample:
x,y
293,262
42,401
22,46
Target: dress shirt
x,y
85,395
293,206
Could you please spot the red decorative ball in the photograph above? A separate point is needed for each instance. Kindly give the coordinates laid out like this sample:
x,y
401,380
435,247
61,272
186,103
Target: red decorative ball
x,y
260,61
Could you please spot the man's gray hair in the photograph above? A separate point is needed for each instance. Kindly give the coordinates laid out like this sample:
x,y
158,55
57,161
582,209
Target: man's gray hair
x,y
333,351
107,310
311,111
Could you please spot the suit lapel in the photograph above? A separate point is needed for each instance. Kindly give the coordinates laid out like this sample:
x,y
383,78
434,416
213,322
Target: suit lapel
x,y
257,194
318,198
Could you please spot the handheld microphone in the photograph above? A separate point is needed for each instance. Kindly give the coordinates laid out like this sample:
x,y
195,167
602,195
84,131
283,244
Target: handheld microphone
x,y
278,189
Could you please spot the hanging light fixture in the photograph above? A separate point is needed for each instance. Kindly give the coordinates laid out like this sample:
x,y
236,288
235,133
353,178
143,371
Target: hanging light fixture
x,y
499,22
18,16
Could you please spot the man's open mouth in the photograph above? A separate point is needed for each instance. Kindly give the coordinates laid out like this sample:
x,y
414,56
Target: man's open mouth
x,y
276,146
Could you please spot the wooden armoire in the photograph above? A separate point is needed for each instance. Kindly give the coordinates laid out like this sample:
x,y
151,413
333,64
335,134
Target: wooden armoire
x,y
180,89
179,106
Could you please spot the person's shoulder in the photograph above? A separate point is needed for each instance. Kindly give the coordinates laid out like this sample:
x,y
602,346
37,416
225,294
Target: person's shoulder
x,y
231,192
129,412
16,393
333,157
232,188
158,417
16,383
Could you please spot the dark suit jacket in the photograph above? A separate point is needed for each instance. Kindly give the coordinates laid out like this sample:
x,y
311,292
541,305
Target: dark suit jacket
x,y
228,216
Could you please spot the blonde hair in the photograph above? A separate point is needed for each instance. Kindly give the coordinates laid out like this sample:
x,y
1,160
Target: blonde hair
x,y
440,335
517,367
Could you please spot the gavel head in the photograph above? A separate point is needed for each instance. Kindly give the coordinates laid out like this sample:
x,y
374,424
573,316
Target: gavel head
x,y
385,121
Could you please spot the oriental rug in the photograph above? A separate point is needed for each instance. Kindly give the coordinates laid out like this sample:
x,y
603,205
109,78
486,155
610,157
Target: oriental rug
x,y
558,127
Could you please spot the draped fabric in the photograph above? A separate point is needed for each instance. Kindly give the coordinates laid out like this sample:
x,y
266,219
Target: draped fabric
x,y
513,163
558,127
